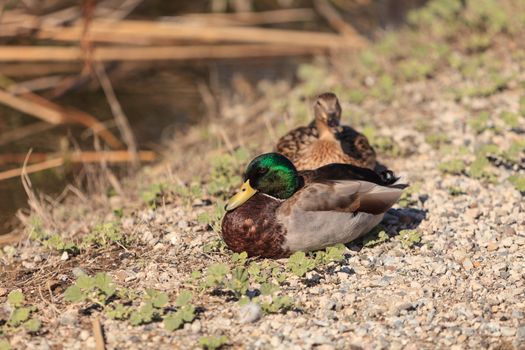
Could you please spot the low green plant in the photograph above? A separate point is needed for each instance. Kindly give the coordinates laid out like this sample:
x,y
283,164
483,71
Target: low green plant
x,y
277,304
213,218
384,88
409,197
522,106
4,345
239,258
215,246
256,272
330,254
409,238
21,314
375,237
478,42
513,153
152,193
454,167
189,192
480,122
299,264
434,12
479,169
185,312
221,276
436,140
455,191
486,14
485,88
224,171
268,288
356,96
488,149
103,235
50,241
118,311
239,282
215,275
518,181
383,144
213,342
97,289
413,69
511,119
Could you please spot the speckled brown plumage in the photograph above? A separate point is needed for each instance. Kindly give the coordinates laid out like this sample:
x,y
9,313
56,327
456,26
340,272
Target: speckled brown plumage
x,y
295,146
303,148
253,228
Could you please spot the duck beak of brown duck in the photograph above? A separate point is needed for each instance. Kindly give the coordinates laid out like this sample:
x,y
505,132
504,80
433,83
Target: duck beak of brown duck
x,y
332,119
245,193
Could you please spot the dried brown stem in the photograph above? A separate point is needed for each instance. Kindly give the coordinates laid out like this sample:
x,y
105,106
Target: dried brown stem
x,y
77,157
330,14
118,114
98,334
129,31
50,112
126,53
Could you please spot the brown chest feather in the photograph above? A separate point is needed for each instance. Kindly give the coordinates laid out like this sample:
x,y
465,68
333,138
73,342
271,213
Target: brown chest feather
x,y
253,228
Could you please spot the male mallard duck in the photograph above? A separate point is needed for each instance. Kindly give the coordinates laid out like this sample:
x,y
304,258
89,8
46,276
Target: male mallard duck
x,y
324,141
279,210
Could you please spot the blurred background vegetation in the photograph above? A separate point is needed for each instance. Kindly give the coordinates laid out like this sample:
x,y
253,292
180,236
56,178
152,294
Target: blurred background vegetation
x,y
159,97
135,76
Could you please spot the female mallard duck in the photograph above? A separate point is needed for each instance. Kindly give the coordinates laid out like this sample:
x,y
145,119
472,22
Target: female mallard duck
x,y
324,141
279,210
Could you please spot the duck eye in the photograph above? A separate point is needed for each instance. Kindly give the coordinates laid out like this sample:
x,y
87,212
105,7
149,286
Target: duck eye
x,y
262,171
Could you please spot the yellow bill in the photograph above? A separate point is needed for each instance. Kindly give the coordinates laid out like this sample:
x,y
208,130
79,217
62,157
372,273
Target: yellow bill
x,y
245,193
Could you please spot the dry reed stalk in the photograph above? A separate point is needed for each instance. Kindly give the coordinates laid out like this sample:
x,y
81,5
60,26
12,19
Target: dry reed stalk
x,y
17,22
129,31
337,22
50,112
31,108
127,53
118,113
98,334
38,69
37,84
76,157
32,200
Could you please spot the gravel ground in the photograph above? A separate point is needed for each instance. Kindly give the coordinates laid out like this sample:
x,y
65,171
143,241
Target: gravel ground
x,y
461,286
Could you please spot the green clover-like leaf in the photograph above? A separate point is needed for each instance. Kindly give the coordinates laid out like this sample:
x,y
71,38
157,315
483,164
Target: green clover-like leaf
x,y
33,325
184,298
85,282
16,298
19,316
172,322
74,294
4,345
158,299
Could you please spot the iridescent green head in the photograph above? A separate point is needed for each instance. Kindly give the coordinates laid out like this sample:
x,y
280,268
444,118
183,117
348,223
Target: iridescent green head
x,y
269,173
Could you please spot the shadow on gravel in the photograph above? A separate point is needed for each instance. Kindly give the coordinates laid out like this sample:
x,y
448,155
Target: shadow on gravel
x,y
394,221
403,218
